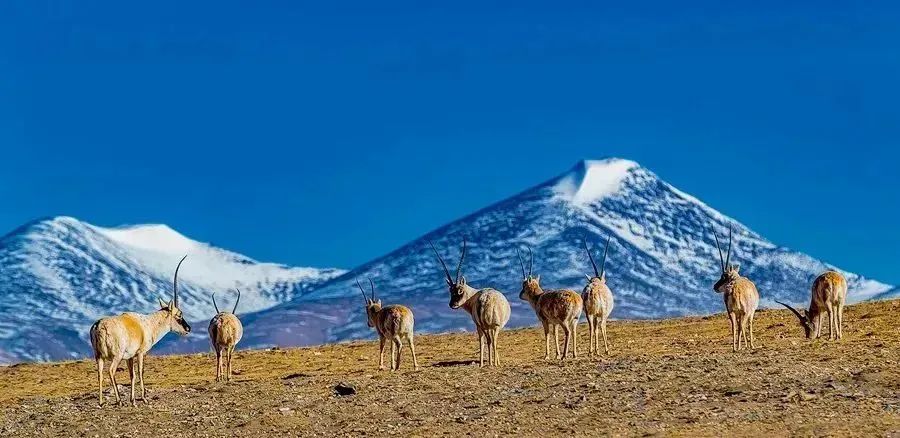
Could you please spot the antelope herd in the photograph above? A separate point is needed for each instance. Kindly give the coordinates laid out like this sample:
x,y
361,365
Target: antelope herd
x,y
130,336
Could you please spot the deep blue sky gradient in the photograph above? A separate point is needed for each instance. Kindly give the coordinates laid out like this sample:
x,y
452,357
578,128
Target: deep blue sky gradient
x,y
329,135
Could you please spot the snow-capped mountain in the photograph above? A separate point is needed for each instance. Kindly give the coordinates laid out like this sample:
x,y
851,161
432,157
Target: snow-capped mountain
x,y
58,275
662,259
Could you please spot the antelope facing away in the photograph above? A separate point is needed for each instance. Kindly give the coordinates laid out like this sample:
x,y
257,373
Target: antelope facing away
x,y
598,301
554,308
741,297
489,308
225,331
394,323
829,292
130,336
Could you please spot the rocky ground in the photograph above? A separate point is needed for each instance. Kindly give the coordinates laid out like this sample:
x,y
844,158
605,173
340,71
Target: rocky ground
x,y
672,377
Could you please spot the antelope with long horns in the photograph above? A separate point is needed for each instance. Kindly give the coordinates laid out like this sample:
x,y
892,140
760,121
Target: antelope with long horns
x,y
598,300
130,336
741,297
829,292
489,308
225,331
393,323
554,308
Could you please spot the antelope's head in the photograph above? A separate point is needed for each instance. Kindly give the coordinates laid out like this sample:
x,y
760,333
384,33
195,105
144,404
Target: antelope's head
x,y
730,273
373,306
599,278
234,310
174,316
460,292
806,321
531,284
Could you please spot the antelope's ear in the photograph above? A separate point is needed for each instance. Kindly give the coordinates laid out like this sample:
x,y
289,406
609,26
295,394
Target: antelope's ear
x,y
538,278
462,280
378,302
737,268
162,305
171,304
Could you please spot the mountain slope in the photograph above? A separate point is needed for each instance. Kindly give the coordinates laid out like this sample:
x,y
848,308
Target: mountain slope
x,y
60,274
662,261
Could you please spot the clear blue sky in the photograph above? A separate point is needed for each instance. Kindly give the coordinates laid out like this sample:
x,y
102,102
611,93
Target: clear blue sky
x,y
329,135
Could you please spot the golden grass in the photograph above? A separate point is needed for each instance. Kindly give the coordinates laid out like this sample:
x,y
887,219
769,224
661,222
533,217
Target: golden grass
x,y
672,377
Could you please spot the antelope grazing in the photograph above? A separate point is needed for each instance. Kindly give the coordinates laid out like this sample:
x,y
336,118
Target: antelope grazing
x,y
555,308
741,297
598,300
488,307
829,292
225,331
130,336
394,323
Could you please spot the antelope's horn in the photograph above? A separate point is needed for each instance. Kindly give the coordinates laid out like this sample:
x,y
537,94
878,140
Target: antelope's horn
x,y
363,291
728,256
372,285
603,263
531,263
522,264
719,248
214,303
440,259
461,258
590,256
234,310
175,281
799,316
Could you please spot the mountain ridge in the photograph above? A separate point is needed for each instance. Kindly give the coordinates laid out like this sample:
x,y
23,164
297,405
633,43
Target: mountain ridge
x,y
661,243
662,263
61,274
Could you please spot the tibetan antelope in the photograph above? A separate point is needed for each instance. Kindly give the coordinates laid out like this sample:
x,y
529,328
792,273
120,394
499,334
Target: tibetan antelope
x,y
554,308
598,300
741,297
394,323
225,331
829,292
489,308
130,336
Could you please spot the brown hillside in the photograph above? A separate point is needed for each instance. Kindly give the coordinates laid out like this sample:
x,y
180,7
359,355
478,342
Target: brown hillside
x,y
672,377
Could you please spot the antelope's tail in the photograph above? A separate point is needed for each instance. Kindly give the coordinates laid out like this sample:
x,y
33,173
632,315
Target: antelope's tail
x,y
98,334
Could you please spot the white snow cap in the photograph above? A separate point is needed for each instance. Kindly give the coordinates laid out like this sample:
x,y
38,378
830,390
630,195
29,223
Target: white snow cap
x,y
592,180
160,247
153,237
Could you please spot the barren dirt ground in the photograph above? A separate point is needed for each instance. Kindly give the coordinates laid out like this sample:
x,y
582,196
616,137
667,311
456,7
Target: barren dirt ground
x,y
673,377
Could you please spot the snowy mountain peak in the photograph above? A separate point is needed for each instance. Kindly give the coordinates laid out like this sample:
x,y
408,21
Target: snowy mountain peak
x,y
662,261
60,274
592,180
152,237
